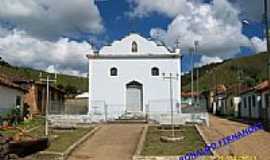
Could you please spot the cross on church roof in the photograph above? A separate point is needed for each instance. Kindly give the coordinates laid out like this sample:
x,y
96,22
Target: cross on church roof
x,y
132,24
177,43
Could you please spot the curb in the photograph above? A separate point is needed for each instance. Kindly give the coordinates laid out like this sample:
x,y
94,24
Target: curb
x,y
68,151
139,146
205,140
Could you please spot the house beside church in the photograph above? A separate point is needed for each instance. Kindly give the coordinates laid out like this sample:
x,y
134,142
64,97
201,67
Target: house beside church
x,y
127,77
11,96
35,98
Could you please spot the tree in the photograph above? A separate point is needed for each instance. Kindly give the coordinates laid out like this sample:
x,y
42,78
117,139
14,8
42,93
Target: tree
x,y
69,89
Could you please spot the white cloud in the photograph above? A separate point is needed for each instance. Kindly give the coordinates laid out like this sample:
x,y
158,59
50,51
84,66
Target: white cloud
x,y
258,44
4,31
51,19
205,60
63,56
170,8
215,25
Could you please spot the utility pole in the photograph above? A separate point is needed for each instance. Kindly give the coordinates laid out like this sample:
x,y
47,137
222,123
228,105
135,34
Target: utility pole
x,y
268,64
192,76
48,81
171,77
196,44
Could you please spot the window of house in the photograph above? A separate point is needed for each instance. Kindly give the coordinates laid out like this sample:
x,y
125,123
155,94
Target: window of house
x,y
18,100
249,101
134,47
245,102
113,71
266,100
253,100
155,71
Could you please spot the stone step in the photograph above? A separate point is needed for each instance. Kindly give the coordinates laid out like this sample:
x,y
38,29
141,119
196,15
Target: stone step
x,y
121,121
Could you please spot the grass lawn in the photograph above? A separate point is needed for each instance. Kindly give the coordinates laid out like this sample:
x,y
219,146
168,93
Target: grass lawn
x,y
60,144
60,141
153,146
37,121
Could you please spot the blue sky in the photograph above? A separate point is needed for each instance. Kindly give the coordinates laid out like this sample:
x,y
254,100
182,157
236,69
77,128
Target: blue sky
x,y
119,25
55,35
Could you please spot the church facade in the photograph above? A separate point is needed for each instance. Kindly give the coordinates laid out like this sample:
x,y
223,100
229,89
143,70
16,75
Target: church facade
x,y
132,76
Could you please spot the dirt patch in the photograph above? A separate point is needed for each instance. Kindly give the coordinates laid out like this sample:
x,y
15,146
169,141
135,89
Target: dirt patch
x,y
111,142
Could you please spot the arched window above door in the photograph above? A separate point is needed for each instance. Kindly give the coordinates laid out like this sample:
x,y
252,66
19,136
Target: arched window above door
x,y
134,47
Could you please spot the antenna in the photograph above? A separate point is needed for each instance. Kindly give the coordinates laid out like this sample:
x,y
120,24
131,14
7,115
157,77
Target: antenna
x,y
178,43
55,75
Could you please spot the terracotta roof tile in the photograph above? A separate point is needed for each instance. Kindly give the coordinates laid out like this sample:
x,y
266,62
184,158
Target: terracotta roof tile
x,y
6,82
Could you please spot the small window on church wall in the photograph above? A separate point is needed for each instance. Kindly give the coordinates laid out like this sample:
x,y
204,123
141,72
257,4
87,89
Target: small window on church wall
x,y
134,47
113,71
155,71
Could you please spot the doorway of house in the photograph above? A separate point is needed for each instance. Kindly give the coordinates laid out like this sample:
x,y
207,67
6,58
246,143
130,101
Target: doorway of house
x,y
134,97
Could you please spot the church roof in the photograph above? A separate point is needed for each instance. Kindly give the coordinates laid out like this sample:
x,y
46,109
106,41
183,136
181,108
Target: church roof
x,y
143,48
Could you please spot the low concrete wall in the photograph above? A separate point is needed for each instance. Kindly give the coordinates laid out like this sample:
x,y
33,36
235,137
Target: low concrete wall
x,y
70,119
181,118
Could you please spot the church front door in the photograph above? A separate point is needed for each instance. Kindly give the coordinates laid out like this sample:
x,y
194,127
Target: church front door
x,y
134,97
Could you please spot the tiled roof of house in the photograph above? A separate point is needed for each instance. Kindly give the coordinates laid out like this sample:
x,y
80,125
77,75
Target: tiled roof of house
x,y
189,94
262,86
39,83
220,88
238,89
4,81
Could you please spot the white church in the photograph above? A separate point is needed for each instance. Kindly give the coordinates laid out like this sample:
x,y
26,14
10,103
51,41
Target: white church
x,y
134,78
128,77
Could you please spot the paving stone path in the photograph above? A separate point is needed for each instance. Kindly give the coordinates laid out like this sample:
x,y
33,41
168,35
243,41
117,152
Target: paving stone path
x,y
257,144
111,142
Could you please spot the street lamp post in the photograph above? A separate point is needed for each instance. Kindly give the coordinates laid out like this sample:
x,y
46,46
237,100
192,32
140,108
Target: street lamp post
x,y
48,81
196,44
171,77
192,75
268,64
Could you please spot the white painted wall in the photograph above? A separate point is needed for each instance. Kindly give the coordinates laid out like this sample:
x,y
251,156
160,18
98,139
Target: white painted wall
x,y
8,98
112,90
123,47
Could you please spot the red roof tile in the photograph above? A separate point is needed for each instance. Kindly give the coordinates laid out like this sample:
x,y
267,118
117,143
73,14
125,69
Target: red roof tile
x,y
6,82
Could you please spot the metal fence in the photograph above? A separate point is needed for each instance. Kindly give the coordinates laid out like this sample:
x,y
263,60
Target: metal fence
x,y
70,107
101,111
159,111
196,107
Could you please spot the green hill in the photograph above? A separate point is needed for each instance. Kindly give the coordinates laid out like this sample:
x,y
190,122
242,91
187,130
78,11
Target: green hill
x,y
71,84
248,70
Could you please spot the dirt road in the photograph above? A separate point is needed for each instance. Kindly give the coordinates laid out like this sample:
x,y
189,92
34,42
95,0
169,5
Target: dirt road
x,y
111,142
254,145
